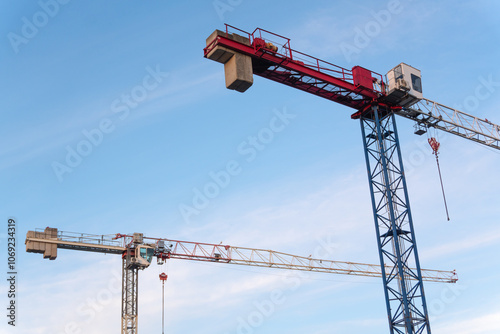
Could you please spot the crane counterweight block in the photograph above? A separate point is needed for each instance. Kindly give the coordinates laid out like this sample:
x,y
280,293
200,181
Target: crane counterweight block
x,y
237,66
49,250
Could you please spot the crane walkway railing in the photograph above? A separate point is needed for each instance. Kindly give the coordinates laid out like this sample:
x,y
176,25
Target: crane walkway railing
x,y
273,259
40,242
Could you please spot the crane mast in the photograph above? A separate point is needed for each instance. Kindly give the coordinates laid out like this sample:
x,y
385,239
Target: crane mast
x,y
137,252
130,298
403,287
376,100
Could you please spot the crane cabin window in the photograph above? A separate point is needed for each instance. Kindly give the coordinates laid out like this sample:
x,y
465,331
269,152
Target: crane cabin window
x,y
416,83
398,72
146,253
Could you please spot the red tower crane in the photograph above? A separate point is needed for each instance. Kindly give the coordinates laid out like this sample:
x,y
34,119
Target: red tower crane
x,y
376,100
137,253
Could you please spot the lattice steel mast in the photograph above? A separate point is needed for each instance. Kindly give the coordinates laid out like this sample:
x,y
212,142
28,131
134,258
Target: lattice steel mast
x,y
130,296
404,292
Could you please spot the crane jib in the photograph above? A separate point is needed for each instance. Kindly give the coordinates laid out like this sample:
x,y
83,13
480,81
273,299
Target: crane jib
x,y
354,88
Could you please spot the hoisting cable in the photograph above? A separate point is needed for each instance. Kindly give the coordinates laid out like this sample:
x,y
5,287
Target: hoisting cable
x,y
163,278
435,147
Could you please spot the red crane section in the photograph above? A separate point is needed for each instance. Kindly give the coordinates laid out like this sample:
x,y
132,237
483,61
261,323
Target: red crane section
x,y
274,59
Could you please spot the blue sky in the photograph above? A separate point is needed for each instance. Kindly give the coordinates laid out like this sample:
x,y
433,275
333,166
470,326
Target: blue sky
x,y
68,81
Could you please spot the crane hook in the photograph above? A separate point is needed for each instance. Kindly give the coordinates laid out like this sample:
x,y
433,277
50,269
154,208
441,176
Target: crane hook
x,y
435,147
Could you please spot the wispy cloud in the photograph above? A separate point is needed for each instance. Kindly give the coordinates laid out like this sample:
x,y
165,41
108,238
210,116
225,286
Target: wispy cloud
x,y
30,143
484,324
466,244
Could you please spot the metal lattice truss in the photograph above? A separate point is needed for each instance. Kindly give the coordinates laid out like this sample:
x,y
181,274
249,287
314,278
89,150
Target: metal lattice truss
x,y
129,298
272,259
227,254
431,114
402,276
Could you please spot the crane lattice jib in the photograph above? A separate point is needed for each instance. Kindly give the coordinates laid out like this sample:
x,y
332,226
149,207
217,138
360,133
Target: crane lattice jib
x,y
218,253
279,260
436,115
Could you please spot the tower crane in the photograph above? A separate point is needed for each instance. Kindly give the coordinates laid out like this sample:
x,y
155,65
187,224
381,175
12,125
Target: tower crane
x,y
376,99
138,251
